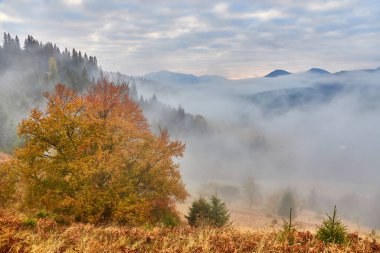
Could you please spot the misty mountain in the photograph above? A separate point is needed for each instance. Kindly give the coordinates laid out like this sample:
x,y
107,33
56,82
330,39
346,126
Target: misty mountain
x,y
178,122
160,115
278,72
164,76
280,101
357,71
317,71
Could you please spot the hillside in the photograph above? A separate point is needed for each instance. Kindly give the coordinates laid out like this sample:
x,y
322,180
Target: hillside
x,y
30,68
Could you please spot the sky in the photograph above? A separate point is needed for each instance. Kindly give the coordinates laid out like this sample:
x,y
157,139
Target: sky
x,y
235,39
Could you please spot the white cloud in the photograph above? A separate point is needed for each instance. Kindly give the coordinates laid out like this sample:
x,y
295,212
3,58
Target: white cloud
x,y
221,8
73,2
231,38
264,15
6,18
329,5
223,11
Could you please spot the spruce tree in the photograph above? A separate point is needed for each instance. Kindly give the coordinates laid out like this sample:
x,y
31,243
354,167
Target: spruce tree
x,y
332,230
208,213
199,213
286,203
219,215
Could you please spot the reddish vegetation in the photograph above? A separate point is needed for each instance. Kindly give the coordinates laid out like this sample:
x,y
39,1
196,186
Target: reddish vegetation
x,y
17,235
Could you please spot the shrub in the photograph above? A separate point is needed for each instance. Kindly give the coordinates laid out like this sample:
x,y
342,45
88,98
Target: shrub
x,y
208,213
332,230
29,223
42,215
170,220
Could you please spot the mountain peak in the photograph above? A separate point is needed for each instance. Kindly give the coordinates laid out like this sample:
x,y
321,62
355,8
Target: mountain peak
x,y
278,72
171,77
317,71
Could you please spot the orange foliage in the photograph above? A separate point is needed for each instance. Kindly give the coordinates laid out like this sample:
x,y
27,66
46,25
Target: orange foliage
x,y
92,158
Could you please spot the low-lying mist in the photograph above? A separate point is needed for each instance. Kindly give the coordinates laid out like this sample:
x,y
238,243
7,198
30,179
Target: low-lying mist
x,y
311,133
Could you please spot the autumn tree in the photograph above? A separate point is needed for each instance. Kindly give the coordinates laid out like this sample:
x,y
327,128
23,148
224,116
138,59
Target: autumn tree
x,y
92,158
8,181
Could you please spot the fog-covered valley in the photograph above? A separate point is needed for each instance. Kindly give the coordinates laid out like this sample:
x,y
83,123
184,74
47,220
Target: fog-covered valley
x,y
313,133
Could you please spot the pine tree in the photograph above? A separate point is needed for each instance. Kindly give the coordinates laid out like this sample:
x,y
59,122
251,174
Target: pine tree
x,y
17,43
219,215
332,230
250,191
199,213
208,213
286,203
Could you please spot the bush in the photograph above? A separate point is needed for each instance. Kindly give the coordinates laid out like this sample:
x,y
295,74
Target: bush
x,y
29,223
170,220
208,213
332,230
42,215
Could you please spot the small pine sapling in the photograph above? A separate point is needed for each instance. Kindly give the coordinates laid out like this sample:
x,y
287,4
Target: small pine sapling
x,y
332,230
288,230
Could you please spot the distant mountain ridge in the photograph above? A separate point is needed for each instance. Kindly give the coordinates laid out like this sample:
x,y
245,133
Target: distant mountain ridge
x,y
165,76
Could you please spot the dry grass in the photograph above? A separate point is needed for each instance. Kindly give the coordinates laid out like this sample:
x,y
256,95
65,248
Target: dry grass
x,y
47,236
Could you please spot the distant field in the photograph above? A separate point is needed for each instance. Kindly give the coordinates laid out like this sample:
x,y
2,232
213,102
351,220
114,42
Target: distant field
x,y
253,220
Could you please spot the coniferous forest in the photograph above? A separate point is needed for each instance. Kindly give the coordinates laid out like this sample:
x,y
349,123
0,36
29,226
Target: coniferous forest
x,y
29,68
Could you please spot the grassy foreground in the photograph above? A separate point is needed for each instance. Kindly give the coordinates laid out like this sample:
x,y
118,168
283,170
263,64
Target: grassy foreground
x,y
18,235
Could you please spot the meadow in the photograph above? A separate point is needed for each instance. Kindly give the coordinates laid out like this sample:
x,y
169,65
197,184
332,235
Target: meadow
x,y
18,234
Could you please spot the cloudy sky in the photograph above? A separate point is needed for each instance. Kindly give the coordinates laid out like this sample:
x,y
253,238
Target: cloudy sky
x,y
235,39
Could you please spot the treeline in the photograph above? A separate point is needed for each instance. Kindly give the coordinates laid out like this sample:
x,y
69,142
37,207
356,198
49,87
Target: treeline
x,y
177,121
75,69
29,68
